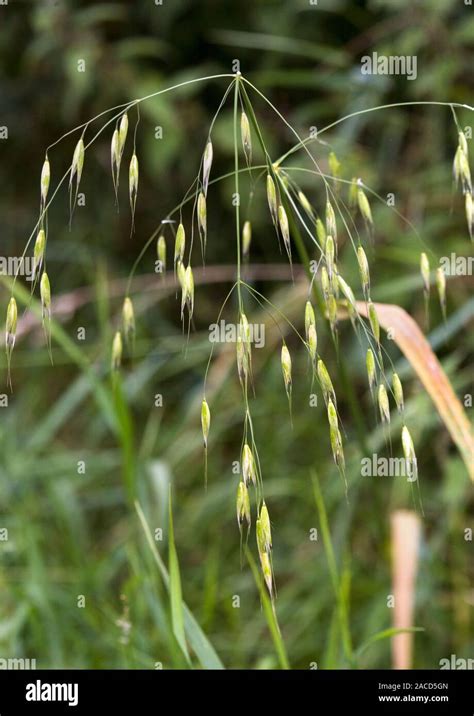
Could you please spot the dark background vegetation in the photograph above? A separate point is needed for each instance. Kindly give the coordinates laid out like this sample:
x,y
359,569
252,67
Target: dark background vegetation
x,y
76,534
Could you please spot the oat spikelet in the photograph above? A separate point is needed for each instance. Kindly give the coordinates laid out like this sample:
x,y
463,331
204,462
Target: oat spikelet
x,y
206,166
117,348
161,253
264,549
364,272
375,326
441,286
38,252
326,383
331,228
325,283
272,199
249,472
286,370
179,245
285,229
364,207
329,255
128,321
384,406
76,173
10,334
334,165
320,233
371,370
305,204
409,454
243,505
309,318
398,392
189,289
202,221
246,137
246,238
133,186
470,214
205,425
45,180
45,294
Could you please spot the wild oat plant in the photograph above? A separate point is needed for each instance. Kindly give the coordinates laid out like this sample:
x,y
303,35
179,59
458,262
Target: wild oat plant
x,y
339,214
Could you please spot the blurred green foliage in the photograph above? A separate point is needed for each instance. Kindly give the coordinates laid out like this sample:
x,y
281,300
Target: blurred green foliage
x,y
76,534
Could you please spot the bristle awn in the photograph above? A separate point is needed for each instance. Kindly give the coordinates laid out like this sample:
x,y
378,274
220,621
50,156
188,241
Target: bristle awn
x,y
334,167
441,286
45,294
364,272
161,253
425,274
364,208
75,173
326,383
246,138
286,370
205,424
10,334
246,238
206,166
285,232
128,322
133,187
202,222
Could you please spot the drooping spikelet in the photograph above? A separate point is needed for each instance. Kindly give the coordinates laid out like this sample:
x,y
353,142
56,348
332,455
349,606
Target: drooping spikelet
x,y
441,286
329,255
409,453
179,245
246,137
334,165
285,229
286,369
325,283
374,324
205,425
128,320
364,272
117,351
470,214
266,533
371,371
246,238
305,204
133,174
331,228
202,220
10,333
161,252
384,406
364,207
326,383
243,505
38,252
45,180
272,199
309,318
249,472
398,392
206,166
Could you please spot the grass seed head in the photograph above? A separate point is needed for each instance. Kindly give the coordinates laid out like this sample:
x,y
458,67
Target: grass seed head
x,y
122,133
272,199
248,465
371,371
398,392
408,449
364,206
363,270
45,179
312,341
331,228
384,406
336,447
114,150
463,143
242,360
246,238
206,166
181,273
205,420
77,162
284,226
305,203
374,322
286,367
470,214
45,294
202,217
133,178
128,319
117,351
441,286
334,165
321,233
326,382
329,253
189,289
332,415
180,244
161,251
347,291
309,317
325,283
266,533
425,272
11,323
38,253
243,504
246,137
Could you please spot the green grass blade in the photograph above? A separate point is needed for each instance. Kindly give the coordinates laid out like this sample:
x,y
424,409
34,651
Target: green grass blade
x,y
385,634
198,641
176,596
